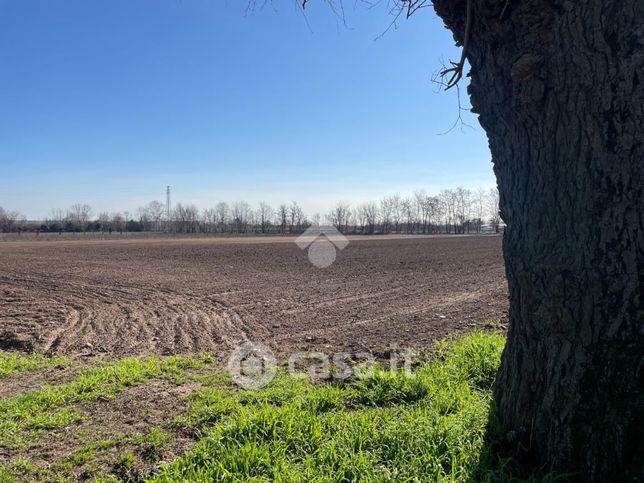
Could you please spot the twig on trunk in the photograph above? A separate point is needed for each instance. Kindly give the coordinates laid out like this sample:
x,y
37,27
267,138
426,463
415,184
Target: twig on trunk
x,y
456,70
505,7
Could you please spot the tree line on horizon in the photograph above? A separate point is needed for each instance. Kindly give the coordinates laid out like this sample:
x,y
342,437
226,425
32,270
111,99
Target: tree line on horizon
x,y
458,210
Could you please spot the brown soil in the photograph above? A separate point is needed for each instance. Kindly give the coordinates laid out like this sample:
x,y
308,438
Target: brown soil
x,y
131,414
162,296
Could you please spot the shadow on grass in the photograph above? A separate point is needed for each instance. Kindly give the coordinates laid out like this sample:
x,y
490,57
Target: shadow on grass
x,y
504,458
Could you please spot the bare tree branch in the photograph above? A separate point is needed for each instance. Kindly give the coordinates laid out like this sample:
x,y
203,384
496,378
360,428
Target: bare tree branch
x,y
456,70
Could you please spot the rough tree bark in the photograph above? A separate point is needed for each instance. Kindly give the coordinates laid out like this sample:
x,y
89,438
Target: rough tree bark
x,y
559,87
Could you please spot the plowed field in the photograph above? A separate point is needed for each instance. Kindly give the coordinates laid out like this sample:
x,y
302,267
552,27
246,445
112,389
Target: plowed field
x,y
162,296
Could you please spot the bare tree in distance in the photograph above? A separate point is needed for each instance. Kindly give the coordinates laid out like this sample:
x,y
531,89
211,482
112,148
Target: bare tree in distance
x,y
103,220
117,222
222,213
282,215
408,212
239,213
265,213
369,213
396,212
296,217
156,211
209,220
418,214
386,212
10,220
448,200
79,215
479,207
340,216
56,219
493,207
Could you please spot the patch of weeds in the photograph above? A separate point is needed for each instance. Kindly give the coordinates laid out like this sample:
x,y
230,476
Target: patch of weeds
x,y
107,479
89,472
385,387
152,444
50,408
84,455
220,379
12,363
21,469
475,357
124,465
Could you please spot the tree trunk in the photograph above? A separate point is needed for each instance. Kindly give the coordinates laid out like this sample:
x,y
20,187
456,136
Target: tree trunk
x,y
559,88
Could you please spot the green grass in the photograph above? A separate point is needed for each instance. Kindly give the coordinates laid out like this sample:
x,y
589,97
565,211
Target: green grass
x,y
433,425
53,407
429,426
153,443
14,363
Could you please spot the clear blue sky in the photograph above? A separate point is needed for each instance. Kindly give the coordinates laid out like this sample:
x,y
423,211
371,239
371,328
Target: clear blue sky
x,y
106,102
